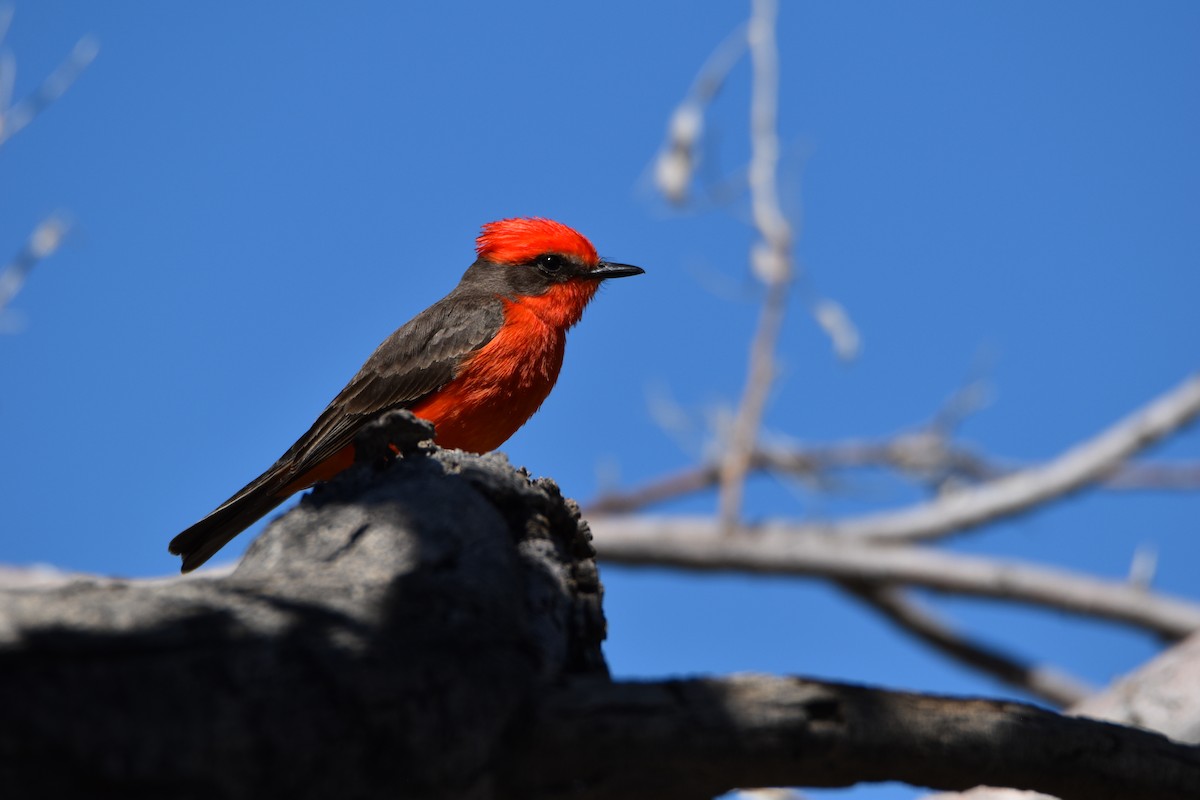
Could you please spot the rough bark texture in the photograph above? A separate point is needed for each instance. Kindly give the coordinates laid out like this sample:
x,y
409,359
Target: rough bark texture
x,y
430,628
378,640
701,737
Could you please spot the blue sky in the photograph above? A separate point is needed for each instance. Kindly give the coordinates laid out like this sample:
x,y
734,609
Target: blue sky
x,y
263,192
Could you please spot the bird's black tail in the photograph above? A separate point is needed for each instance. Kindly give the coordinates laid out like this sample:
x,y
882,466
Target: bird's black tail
x,y
198,543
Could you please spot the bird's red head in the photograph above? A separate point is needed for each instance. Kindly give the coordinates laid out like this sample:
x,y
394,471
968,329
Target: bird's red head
x,y
519,241
544,265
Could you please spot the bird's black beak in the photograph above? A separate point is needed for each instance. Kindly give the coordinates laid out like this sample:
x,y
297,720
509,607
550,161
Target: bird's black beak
x,y
605,270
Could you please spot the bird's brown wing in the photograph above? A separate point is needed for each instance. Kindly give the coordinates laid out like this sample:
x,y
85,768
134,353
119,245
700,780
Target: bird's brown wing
x,y
418,359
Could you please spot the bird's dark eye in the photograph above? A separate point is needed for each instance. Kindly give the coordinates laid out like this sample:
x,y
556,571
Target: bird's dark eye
x,y
551,263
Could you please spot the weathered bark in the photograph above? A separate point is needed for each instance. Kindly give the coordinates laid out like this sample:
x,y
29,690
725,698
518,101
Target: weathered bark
x,y
1160,695
698,738
379,640
1163,695
430,628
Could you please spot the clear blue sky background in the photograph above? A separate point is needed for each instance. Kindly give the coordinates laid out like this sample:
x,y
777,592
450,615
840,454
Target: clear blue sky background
x,y
264,191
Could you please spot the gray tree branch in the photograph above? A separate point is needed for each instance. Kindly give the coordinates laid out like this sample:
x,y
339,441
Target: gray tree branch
x,y
15,117
771,259
1005,489
49,233
701,737
699,543
1049,684
909,454
1021,491
1160,696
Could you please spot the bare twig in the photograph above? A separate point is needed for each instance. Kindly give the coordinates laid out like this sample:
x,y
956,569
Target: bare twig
x,y
1086,463
48,235
1099,459
14,118
44,240
904,454
785,549
909,453
1051,685
677,160
771,258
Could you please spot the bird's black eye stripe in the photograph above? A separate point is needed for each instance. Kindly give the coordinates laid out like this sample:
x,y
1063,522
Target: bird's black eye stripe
x,y
551,263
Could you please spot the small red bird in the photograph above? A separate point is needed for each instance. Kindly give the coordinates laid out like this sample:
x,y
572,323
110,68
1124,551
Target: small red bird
x,y
476,364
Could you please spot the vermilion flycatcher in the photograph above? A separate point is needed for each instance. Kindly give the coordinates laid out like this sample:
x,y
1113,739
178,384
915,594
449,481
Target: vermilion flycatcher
x,y
476,364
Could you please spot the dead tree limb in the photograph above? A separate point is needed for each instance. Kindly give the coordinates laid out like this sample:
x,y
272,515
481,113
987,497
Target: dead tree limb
x,y
1084,464
1047,683
1160,696
1003,489
699,543
903,453
771,259
698,738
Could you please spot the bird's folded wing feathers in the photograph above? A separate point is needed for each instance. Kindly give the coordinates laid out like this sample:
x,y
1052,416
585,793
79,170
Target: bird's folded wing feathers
x,y
419,358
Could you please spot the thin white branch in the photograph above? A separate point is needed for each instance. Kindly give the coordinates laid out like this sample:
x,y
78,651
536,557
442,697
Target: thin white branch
x,y
904,454
783,549
45,239
20,114
676,162
1084,464
913,617
771,259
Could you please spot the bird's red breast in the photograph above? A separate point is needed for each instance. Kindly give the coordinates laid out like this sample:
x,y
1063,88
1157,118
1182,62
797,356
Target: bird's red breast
x,y
501,385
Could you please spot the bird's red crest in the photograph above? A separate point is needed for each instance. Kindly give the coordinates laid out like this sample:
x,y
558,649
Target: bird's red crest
x,y
517,241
